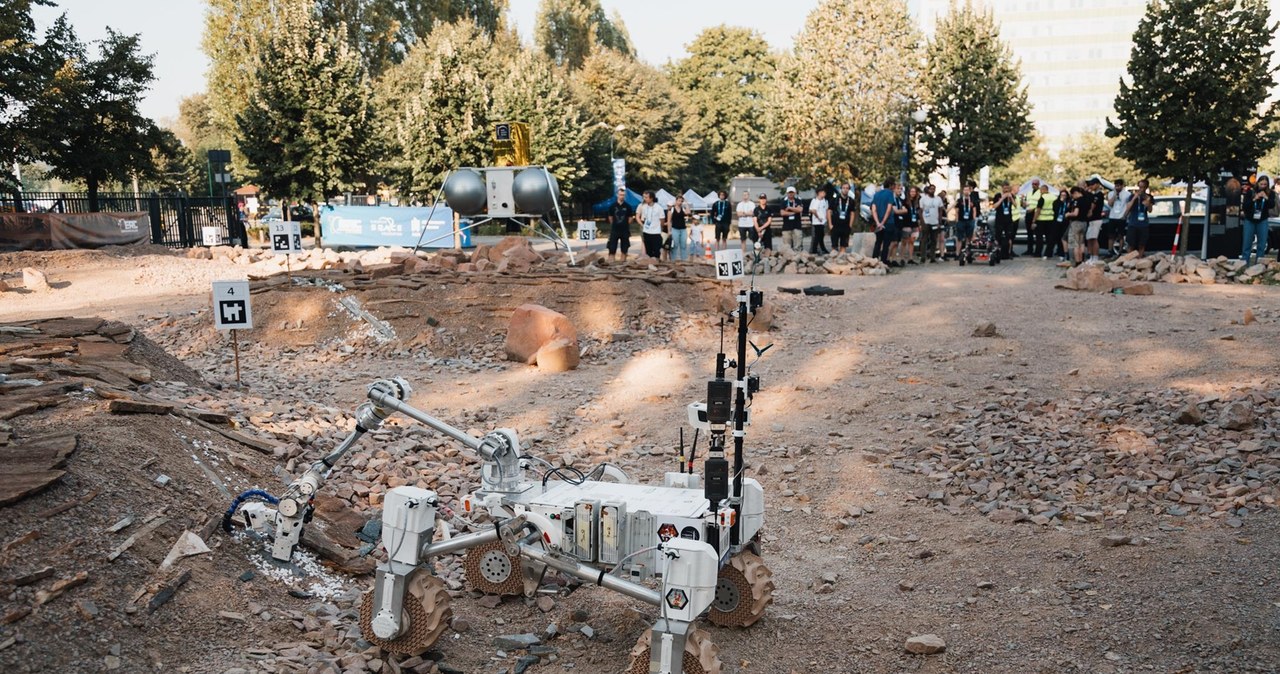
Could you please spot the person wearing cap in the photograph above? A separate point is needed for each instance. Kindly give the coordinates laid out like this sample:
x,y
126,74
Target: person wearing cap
x,y
722,217
1097,200
746,212
792,232
1113,235
1029,216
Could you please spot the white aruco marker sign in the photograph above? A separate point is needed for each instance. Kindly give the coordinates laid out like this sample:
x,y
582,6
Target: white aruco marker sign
x,y
212,236
286,238
586,230
231,310
728,264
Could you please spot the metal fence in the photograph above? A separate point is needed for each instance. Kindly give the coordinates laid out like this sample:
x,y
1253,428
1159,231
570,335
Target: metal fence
x,y
177,220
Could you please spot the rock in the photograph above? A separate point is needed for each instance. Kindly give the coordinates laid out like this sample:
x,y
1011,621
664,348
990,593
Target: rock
x,y
985,330
1237,416
1088,277
516,642
1190,414
1138,289
906,586
460,624
546,604
558,355
34,280
1248,317
490,601
130,406
926,644
533,326
1115,540
187,545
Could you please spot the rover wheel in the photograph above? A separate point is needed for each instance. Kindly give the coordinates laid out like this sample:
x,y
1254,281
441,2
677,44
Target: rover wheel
x,y
744,589
491,570
700,655
427,610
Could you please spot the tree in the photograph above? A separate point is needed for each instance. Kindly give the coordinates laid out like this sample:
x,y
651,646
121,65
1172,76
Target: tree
x,y
384,30
1193,102
978,114
724,81
234,33
568,31
196,128
1032,160
535,92
95,132
306,132
620,91
435,107
836,109
27,68
1092,152
174,167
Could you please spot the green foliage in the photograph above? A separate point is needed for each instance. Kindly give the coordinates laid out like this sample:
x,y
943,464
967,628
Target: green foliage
x,y
535,92
27,68
1032,160
306,131
1194,100
234,33
196,128
94,131
1089,153
619,91
435,108
836,109
384,30
724,82
978,110
569,31
174,167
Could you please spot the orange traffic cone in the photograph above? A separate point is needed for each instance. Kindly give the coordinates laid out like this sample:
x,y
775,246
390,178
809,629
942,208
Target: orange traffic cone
x,y
709,255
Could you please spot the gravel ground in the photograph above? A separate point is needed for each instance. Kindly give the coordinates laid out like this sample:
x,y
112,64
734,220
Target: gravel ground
x,y
870,402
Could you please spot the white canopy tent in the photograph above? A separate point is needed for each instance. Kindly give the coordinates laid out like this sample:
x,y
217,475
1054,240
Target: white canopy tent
x,y
696,202
1026,187
665,198
711,197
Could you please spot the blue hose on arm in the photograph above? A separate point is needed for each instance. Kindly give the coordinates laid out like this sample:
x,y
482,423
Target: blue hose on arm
x,y
252,493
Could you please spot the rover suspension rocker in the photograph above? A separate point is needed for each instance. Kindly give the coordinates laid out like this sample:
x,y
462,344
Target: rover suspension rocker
x,y
690,547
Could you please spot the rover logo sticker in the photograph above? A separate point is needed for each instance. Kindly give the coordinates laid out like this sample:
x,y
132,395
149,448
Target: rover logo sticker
x,y
667,532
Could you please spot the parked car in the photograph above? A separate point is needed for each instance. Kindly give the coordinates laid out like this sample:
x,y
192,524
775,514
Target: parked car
x,y
1164,223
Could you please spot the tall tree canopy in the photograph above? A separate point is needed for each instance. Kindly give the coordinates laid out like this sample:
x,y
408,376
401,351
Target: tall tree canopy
x,y
307,129
655,142
978,110
568,31
724,82
1092,152
1194,101
384,30
235,31
28,66
837,108
94,131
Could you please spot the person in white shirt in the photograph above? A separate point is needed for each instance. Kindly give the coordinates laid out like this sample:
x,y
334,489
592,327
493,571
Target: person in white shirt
x,y
651,215
934,236
818,210
746,212
1118,205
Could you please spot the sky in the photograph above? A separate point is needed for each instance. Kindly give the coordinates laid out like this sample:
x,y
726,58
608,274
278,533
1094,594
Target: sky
x,y
171,31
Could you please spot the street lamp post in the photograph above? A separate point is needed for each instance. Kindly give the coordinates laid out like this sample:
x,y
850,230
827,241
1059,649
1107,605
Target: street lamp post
x,y
918,116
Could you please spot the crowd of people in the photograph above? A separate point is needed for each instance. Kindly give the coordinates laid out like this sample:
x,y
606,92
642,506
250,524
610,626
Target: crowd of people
x,y
912,225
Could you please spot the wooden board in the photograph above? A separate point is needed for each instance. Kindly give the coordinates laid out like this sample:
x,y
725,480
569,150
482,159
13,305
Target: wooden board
x,y
29,467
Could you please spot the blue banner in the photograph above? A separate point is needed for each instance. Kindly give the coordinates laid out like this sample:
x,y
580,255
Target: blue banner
x,y
373,226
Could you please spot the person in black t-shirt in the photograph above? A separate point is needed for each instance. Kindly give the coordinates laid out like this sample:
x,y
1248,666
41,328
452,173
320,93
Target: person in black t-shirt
x,y
722,218
844,208
620,216
1006,226
762,233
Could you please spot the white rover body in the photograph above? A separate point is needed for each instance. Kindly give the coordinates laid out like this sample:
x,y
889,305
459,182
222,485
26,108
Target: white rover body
x,y
696,534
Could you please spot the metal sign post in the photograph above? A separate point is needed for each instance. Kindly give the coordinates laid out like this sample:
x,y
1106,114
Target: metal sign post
x,y
232,311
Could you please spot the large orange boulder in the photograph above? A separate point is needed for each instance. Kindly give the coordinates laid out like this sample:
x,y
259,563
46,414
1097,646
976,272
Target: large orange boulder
x,y
532,327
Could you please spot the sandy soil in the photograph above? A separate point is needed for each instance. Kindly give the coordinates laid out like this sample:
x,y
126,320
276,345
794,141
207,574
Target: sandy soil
x,y
851,382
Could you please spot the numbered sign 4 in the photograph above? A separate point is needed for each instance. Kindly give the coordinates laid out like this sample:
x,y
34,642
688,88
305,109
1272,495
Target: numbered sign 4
x,y
286,238
728,264
231,310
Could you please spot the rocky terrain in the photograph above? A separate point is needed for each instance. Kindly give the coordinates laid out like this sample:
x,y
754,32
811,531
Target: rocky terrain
x,y
967,470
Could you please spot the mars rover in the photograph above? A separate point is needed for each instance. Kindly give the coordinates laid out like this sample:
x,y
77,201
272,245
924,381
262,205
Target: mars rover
x,y
695,537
